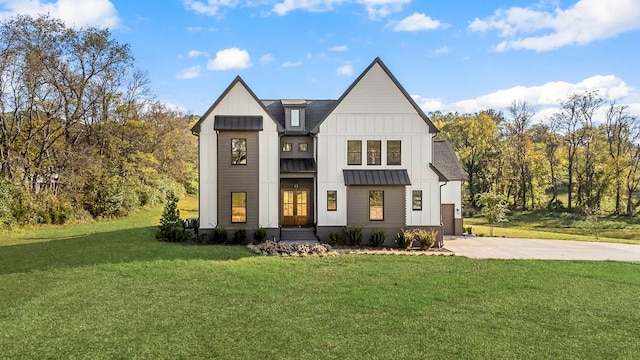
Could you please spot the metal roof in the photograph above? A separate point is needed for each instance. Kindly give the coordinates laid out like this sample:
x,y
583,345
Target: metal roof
x,y
376,177
297,165
237,123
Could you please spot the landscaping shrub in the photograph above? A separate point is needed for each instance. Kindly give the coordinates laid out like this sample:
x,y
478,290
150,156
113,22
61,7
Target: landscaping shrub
x,y
336,238
426,238
405,239
468,230
217,236
239,237
377,238
171,227
354,235
259,235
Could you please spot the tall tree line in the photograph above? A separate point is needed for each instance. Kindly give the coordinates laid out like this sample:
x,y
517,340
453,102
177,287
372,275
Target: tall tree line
x,y
588,151
81,135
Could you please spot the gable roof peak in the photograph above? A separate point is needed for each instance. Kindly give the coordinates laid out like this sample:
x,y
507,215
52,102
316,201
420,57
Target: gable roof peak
x,y
197,127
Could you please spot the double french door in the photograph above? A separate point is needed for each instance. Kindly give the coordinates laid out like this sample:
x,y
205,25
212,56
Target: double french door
x,y
295,207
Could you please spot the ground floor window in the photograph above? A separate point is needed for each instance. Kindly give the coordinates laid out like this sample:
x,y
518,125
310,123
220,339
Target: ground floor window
x,y
417,199
376,205
238,207
332,200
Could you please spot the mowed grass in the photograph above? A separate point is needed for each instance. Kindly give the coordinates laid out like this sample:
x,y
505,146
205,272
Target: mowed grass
x,y
561,226
113,291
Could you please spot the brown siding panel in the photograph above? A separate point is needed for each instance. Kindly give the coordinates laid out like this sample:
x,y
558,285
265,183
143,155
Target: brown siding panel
x,y
238,178
358,206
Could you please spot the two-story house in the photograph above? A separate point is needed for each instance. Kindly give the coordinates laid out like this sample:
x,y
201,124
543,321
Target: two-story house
x,y
367,159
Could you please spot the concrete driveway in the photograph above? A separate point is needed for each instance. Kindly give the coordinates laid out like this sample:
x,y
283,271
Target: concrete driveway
x,y
506,248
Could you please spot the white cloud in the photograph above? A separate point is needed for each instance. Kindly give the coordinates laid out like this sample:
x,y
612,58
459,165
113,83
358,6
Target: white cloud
x,y
382,8
196,53
308,5
291,63
339,48
209,7
545,98
346,69
441,50
267,59
99,13
189,73
229,59
582,23
375,8
417,22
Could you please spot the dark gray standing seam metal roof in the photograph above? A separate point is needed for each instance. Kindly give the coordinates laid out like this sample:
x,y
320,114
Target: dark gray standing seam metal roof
x,y
446,161
376,177
297,165
237,123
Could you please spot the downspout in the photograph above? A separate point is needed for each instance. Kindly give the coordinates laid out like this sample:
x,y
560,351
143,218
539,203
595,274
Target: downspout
x,y
440,243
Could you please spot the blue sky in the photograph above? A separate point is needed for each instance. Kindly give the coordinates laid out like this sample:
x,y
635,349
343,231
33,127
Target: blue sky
x,y
451,55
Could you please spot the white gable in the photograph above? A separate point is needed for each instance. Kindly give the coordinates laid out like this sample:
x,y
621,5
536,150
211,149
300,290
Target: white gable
x,y
375,93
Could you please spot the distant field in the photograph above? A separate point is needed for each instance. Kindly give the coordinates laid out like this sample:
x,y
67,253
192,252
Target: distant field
x,y
561,226
110,290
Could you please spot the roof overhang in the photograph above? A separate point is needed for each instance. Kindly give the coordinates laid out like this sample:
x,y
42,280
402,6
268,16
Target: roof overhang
x,y
376,177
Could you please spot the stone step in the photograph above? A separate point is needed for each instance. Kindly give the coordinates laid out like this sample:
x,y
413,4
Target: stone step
x,y
306,235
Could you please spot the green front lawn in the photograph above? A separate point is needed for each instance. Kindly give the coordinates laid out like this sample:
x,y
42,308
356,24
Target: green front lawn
x,y
112,291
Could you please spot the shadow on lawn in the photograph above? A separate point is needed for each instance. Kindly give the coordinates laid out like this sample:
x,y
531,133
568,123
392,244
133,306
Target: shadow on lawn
x,y
122,246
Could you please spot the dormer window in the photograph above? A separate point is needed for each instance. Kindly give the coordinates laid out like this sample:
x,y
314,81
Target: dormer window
x,y
295,117
294,111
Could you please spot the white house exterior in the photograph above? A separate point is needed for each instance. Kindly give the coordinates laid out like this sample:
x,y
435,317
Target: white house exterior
x,y
365,160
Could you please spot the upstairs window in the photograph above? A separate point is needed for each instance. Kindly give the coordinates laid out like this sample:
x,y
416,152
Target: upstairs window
x,y
238,151
374,152
303,147
394,152
354,152
286,147
295,117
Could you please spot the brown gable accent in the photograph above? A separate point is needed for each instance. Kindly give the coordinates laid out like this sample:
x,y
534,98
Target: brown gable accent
x,y
432,128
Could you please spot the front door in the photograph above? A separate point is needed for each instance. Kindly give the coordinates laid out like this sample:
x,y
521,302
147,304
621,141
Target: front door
x,y
295,207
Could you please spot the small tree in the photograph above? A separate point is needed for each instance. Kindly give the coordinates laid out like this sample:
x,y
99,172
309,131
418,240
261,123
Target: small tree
x,y
494,208
171,227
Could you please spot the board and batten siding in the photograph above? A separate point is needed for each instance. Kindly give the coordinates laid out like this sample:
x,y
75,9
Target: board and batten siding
x,y
238,101
375,109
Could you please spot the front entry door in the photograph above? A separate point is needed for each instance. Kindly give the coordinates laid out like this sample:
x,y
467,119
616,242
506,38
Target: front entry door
x,y
295,207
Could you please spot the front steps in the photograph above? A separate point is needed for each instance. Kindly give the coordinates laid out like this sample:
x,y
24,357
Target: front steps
x,y
299,235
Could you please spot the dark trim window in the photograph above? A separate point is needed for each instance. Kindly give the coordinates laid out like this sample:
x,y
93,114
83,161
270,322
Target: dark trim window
x,y
239,151
332,200
376,205
303,147
394,152
238,207
354,152
286,147
416,199
374,152
295,117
